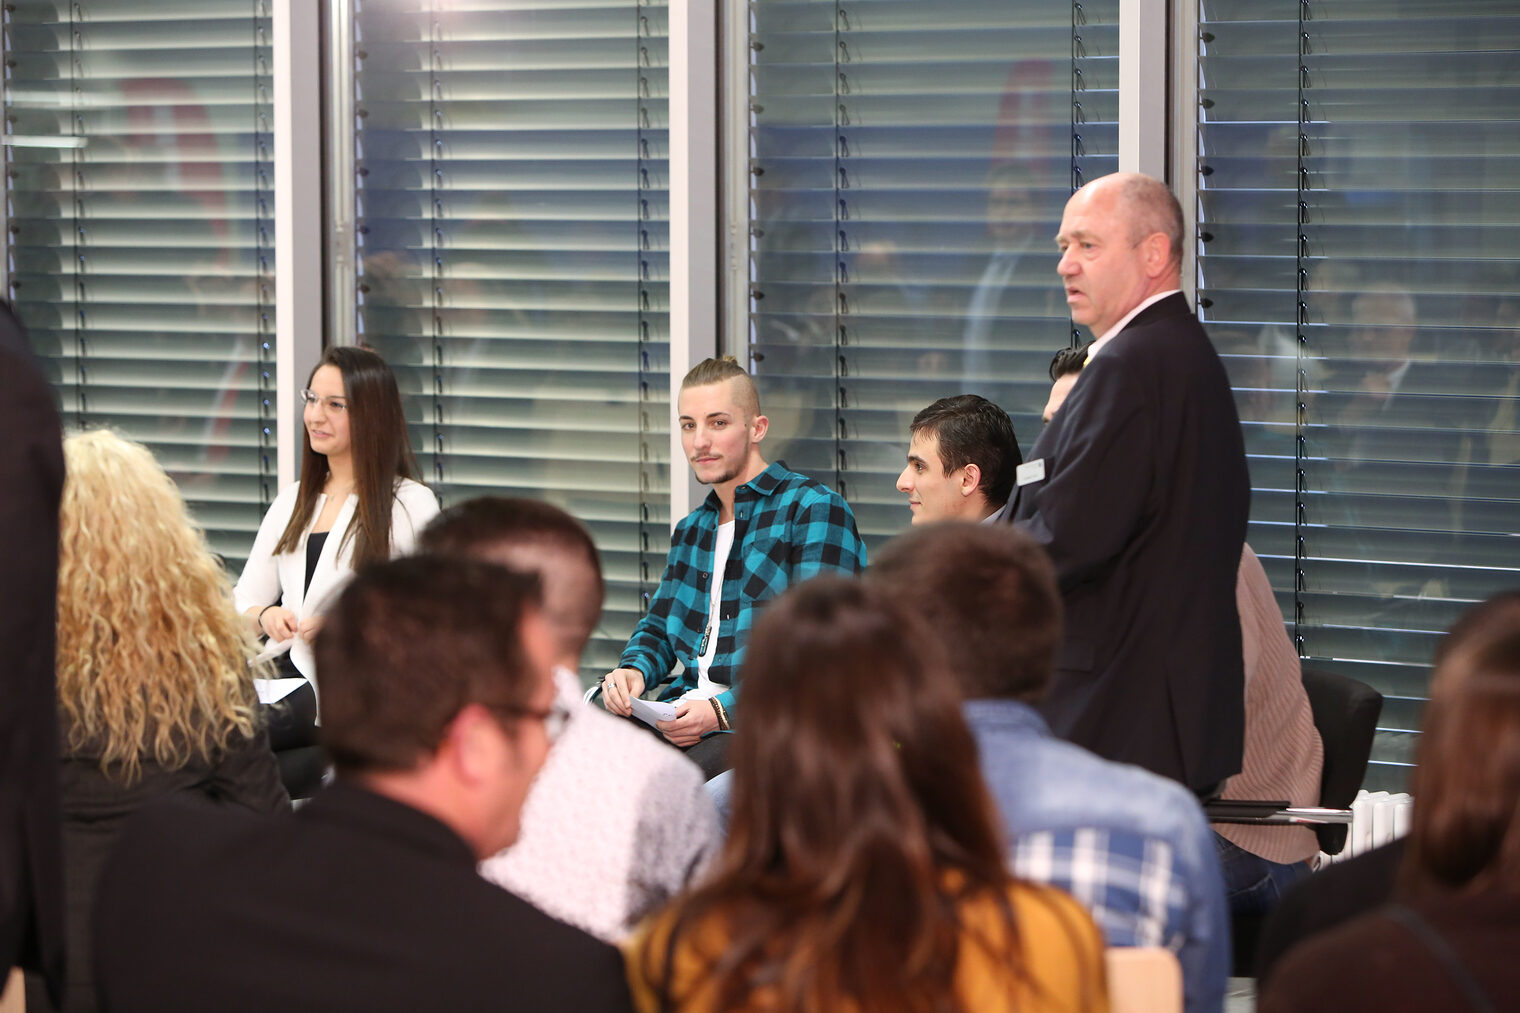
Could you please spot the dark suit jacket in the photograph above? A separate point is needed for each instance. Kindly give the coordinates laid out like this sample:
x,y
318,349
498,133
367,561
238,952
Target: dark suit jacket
x,y
31,483
356,902
1143,509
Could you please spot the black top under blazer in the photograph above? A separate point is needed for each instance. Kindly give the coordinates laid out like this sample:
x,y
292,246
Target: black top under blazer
x,y
1143,509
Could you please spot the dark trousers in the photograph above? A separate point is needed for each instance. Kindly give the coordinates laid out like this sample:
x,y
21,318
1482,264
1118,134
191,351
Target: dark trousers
x,y
292,721
711,753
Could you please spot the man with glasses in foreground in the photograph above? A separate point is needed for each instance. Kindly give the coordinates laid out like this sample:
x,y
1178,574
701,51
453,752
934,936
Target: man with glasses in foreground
x,y
438,708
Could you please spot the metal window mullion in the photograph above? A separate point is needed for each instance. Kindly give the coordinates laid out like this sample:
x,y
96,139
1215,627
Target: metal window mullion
x,y
1301,313
693,217
643,363
77,128
436,235
841,240
264,307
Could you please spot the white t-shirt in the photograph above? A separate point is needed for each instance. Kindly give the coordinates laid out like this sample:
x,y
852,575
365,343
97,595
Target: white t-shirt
x,y
722,546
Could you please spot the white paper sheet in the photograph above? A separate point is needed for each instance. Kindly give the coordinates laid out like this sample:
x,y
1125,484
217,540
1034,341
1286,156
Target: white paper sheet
x,y
650,711
274,690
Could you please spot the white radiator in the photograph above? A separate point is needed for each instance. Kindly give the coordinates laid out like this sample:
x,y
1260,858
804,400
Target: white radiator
x,y
1377,817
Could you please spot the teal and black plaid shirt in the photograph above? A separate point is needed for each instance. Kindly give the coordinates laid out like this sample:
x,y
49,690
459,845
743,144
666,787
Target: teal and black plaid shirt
x,y
787,528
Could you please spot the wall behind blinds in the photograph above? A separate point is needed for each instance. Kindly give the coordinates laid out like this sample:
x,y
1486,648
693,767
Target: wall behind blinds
x,y
140,248
909,162
1359,213
513,232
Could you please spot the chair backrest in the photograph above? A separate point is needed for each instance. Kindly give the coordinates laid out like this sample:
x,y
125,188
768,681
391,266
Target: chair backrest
x,y
1143,979
1345,714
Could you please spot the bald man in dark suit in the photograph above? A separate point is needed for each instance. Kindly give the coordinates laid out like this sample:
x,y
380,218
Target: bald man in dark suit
x,y
1138,490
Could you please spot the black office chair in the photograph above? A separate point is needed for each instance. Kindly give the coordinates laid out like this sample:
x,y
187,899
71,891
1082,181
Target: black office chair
x,y
1345,715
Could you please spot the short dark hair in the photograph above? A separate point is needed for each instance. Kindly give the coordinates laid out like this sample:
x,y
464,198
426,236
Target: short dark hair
x,y
989,594
526,531
973,430
408,644
1069,361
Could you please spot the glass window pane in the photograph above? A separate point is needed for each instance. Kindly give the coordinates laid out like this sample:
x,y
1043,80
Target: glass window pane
x,y
910,165
1361,237
513,237
140,252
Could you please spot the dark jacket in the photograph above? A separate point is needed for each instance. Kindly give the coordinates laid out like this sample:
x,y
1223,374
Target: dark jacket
x,y
1443,951
96,807
355,902
31,485
1143,509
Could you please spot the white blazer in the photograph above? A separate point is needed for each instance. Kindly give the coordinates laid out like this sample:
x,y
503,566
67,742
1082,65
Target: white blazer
x,y
268,578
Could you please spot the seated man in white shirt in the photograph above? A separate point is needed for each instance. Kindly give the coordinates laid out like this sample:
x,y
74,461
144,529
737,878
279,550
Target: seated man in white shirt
x,y
962,457
596,859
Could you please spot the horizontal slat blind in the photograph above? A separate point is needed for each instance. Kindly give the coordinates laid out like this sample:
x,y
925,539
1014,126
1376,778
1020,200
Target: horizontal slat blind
x,y
1361,239
140,249
513,213
909,165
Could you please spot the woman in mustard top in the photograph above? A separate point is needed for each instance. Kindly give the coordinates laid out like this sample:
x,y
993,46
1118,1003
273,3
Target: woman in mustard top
x,y
863,869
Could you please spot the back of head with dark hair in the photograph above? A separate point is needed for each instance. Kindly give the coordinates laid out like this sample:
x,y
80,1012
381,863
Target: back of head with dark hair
x,y
536,537
989,595
1069,361
407,645
972,430
1465,831
856,789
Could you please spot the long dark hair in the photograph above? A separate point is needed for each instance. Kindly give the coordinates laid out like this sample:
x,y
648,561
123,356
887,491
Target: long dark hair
x,y
381,451
1465,830
861,820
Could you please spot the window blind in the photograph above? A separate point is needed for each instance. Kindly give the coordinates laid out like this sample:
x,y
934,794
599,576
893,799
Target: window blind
x,y
140,244
1359,240
909,163
512,232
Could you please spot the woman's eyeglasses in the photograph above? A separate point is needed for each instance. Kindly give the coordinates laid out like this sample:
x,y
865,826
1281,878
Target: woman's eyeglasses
x,y
335,405
555,718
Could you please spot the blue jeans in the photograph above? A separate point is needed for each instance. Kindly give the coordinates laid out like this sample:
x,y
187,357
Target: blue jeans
x,y
1253,885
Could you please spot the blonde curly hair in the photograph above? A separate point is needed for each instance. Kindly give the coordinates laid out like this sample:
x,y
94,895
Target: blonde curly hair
x,y
153,663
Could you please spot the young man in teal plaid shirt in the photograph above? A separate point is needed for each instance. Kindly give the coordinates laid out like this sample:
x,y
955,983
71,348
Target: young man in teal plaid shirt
x,y
760,530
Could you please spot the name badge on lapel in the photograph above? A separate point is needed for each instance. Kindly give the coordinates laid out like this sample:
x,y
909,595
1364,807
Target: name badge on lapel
x,y
1030,472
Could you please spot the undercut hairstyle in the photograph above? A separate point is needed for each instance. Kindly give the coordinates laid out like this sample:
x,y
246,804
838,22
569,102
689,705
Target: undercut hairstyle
x,y
535,537
1069,361
1153,208
152,660
861,822
411,642
988,594
380,446
721,370
1465,830
972,430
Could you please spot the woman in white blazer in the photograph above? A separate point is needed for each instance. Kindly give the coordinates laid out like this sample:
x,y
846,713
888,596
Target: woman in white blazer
x,y
357,501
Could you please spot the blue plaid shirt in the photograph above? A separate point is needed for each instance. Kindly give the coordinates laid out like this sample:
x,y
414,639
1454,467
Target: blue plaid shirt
x,y
787,528
1131,846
